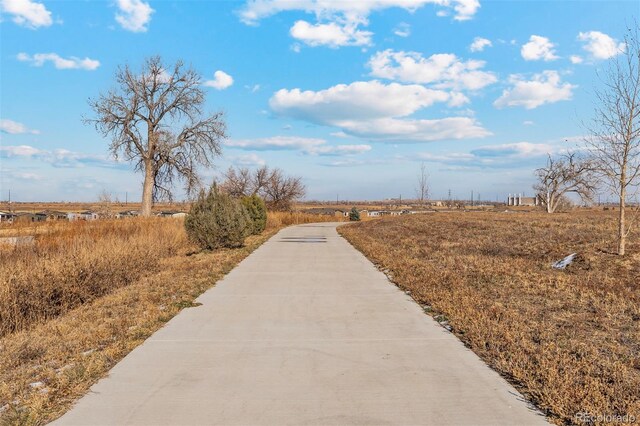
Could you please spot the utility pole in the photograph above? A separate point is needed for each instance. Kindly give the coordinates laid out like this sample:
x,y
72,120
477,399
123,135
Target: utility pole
x,y
126,198
471,198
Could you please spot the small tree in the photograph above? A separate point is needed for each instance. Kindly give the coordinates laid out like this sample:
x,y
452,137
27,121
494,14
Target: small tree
x,y
422,189
354,215
615,130
154,119
217,220
561,176
278,190
257,211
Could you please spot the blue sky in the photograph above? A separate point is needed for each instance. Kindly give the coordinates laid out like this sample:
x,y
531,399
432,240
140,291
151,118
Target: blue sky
x,y
350,95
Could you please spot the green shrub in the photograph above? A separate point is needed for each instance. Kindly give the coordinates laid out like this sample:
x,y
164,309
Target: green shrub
x,y
217,220
354,214
257,211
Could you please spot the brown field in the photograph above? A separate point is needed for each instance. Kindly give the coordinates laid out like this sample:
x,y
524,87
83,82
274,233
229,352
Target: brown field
x,y
86,293
569,340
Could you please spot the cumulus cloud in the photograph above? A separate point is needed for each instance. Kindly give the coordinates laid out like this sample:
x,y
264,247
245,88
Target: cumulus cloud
x,y
576,59
331,34
39,59
15,128
133,15
58,157
27,13
600,45
479,44
256,10
338,21
444,71
539,48
311,146
376,110
221,80
543,88
402,30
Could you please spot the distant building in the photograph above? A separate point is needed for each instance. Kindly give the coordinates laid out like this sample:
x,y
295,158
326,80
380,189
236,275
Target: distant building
x,y
54,215
7,217
519,200
327,211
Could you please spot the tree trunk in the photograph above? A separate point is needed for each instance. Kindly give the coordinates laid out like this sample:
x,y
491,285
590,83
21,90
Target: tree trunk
x,y
147,190
622,235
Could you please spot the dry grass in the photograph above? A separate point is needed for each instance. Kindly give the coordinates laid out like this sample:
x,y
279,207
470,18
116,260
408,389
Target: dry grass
x,y
570,340
280,219
78,262
85,295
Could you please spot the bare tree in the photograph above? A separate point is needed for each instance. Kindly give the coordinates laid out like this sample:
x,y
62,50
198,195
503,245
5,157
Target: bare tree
x,y
422,189
614,138
281,191
155,120
278,190
564,175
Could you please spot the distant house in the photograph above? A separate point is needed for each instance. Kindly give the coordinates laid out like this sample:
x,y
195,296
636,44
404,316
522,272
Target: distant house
x,y
519,200
54,215
29,217
86,215
172,213
7,217
127,213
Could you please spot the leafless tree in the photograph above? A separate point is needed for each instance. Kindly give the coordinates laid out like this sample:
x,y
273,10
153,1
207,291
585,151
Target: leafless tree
x,y
105,205
422,189
614,133
279,191
155,120
563,175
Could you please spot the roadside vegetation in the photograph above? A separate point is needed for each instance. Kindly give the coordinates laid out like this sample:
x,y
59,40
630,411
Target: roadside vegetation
x,y
569,339
87,293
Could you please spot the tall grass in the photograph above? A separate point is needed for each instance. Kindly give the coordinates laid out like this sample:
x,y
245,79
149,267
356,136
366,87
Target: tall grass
x,y
279,219
78,262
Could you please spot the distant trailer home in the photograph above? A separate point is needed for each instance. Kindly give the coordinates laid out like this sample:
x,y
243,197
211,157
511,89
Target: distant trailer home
x,y
7,217
519,200
327,211
54,215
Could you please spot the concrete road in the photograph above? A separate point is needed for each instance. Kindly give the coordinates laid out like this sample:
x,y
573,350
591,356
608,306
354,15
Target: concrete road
x,y
304,331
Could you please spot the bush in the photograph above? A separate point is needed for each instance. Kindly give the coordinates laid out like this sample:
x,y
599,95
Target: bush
x,y
217,220
354,214
257,211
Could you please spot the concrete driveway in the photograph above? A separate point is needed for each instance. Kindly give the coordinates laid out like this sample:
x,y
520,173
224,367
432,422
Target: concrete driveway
x,y
304,331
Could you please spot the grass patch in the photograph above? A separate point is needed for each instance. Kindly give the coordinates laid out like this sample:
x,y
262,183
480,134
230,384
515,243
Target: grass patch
x,y
47,365
569,340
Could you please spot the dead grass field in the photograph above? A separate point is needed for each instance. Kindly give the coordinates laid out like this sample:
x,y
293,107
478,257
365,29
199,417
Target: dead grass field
x,y
569,340
87,293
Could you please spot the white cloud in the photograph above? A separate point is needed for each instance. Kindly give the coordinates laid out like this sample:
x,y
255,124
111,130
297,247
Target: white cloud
x,y
576,59
20,151
402,30
255,10
600,45
338,21
444,71
312,146
528,123
479,44
538,48
27,13
59,62
221,80
494,156
58,157
15,128
248,160
332,34
543,88
376,110
134,15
